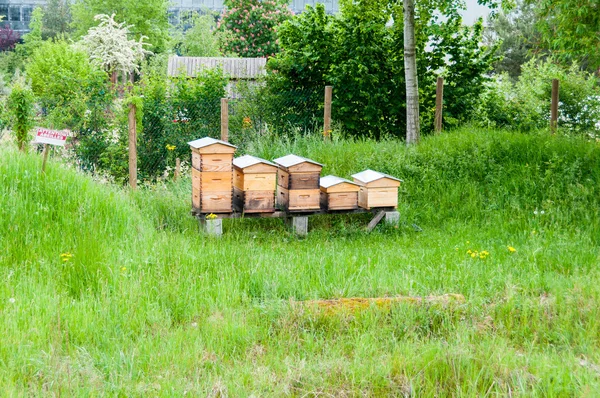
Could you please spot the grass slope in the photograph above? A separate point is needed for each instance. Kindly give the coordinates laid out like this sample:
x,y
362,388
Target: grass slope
x,y
147,306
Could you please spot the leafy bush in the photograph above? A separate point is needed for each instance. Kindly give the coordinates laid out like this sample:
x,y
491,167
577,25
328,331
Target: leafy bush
x,y
525,104
196,35
252,25
21,103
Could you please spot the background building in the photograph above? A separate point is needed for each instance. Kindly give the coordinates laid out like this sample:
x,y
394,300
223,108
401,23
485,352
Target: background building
x,y
17,13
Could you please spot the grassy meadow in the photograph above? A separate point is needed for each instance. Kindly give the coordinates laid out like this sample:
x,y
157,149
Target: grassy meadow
x,y
109,292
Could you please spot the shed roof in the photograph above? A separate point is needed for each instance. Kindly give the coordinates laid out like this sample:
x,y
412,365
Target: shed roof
x,y
248,160
234,68
330,181
206,141
293,160
368,176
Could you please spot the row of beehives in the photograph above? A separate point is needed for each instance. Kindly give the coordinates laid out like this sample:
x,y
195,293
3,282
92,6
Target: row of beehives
x,y
222,184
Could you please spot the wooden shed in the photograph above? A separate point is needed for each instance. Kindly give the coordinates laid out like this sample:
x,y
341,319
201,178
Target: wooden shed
x,y
298,183
377,189
212,175
254,185
338,193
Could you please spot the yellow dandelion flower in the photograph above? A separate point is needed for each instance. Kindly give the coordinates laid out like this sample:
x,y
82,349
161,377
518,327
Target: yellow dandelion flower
x,y
473,255
211,216
511,249
469,251
123,269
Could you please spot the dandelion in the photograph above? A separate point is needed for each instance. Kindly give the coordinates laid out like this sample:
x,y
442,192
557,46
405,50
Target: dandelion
x,y
123,269
170,147
65,257
469,251
211,216
474,254
511,249
12,300
194,324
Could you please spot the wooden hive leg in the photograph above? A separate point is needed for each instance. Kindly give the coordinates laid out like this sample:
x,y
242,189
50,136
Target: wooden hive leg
x,y
392,217
212,227
299,224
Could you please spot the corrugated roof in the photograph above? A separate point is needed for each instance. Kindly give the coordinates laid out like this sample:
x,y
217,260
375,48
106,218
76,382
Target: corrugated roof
x,y
234,68
292,160
206,141
330,181
247,160
368,176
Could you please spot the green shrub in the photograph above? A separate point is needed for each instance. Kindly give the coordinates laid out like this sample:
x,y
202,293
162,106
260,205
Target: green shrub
x,y
525,104
21,103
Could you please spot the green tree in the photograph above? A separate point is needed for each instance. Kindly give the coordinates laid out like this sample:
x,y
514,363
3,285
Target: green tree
x,y
252,26
33,39
147,18
21,107
57,19
517,37
571,29
196,35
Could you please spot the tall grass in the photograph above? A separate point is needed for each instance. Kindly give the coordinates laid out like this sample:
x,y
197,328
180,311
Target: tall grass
x,y
149,306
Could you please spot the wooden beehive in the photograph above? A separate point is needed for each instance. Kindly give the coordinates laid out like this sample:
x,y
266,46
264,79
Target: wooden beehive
x,y
377,189
212,175
298,183
338,194
254,182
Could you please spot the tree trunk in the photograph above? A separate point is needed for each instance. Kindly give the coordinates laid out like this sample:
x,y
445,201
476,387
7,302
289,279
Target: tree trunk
x,y
410,72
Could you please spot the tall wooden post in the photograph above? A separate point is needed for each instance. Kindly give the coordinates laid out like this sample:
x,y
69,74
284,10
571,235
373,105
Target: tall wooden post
x,y
177,169
132,147
45,158
554,107
439,104
224,120
327,112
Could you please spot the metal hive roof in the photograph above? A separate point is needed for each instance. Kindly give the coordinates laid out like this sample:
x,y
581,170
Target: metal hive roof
x,y
330,181
293,160
206,141
248,160
369,176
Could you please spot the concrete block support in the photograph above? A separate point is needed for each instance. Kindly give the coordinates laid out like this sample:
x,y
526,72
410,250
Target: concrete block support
x,y
299,225
213,227
392,217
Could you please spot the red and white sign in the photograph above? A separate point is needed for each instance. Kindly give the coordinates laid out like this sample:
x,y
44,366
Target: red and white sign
x,y
52,137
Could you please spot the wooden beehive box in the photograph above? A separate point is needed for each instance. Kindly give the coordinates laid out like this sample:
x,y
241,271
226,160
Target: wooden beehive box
x,y
298,183
377,189
212,175
254,182
338,194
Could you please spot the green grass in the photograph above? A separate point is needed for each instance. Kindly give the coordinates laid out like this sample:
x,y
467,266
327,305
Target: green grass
x,y
149,306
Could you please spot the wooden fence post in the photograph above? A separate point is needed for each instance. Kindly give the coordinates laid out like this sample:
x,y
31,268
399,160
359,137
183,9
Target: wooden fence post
x,y
327,114
177,169
554,107
224,120
439,104
132,147
45,158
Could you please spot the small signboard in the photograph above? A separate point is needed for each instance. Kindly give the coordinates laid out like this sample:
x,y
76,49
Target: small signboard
x,y
52,137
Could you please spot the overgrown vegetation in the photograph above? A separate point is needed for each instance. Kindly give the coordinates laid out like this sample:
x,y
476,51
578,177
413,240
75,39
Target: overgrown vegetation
x,y
117,292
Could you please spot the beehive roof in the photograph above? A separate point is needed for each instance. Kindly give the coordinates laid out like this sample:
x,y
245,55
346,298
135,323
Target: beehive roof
x,y
293,160
247,160
330,181
368,176
206,141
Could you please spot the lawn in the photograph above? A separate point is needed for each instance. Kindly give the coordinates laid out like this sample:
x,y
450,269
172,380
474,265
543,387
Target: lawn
x,y
142,304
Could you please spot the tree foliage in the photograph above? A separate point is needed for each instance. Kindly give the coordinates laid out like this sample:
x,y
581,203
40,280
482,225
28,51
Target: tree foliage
x,y
196,35
32,39
57,19
147,18
363,60
571,29
8,38
251,25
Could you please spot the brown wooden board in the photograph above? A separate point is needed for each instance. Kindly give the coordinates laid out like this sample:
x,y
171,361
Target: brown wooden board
x,y
298,180
305,167
196,180
216,202
217,162
342,187
196,160
254,181
196,199
215,148
298,199
254,201
215,181
339,200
